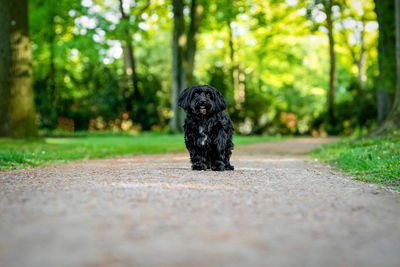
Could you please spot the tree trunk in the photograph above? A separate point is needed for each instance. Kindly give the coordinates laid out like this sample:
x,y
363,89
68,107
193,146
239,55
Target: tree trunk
x,y
52,43
195,17
131,76
332,71
234,69
394,115
131,69
232,52
392,121
17,108
386,47
178,72
362,60
396,105
130,62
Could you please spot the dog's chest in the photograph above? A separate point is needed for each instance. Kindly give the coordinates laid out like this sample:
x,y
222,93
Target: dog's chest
x,y
203,135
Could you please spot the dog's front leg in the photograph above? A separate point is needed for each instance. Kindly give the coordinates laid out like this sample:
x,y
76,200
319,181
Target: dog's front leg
x,y
218,154
197,155
198,159
217,160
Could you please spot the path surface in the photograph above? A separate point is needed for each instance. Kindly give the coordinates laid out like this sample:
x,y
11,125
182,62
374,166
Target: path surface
x,y
276,209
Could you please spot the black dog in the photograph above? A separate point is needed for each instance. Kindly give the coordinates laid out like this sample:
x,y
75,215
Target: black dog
x,y
208,129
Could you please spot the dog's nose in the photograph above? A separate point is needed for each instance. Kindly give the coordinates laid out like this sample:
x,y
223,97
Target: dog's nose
x,y
202,102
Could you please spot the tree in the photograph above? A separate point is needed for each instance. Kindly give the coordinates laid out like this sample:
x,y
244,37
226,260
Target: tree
x,y
326,6
178,71
130,61
359,47
183,55
17,110
386,47
46,83
279,64
234,68
392,121
394,116
196,11
226,13
332,56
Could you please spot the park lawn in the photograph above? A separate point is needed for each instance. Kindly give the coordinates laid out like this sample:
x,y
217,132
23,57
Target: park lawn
x,y
22,154
375,160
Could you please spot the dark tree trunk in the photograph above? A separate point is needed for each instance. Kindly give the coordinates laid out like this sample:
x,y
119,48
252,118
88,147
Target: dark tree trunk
x,y
196,11
132,67
392,121
5,63
332,71
17,109
386,48
130,72
130,62
394,115
178,72
396,104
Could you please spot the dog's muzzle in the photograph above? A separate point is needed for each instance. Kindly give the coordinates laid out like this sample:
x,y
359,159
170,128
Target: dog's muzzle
x,y
202,107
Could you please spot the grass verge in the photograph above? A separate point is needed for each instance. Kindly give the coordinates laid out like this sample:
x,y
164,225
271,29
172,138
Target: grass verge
x,y
375,160
22,154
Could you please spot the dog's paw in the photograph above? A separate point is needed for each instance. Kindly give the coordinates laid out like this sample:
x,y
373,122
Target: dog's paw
x,y
218,168
229,167
199,167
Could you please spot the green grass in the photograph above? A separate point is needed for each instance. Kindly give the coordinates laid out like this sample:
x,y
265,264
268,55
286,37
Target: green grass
x,y
22,154
375,160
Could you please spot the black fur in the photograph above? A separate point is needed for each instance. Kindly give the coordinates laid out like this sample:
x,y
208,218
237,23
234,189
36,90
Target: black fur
x,y
208,129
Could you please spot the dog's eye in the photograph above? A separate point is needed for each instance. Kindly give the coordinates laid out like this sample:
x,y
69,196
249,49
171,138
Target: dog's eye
x,y
196,94
209,95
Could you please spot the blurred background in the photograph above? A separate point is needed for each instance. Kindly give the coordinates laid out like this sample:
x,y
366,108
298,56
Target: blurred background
x,y
297,67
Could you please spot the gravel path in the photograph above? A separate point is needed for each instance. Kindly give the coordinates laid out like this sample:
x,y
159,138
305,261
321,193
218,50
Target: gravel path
x,y
276,209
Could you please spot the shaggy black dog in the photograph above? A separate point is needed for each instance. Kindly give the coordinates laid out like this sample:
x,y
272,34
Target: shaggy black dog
x,y
208,129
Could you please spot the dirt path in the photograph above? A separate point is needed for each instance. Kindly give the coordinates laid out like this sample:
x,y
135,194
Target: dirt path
x,y
276,209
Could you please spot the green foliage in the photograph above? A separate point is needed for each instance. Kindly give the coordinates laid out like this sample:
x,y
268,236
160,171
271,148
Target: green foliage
x,y
280,60
375,160
356,109
21,154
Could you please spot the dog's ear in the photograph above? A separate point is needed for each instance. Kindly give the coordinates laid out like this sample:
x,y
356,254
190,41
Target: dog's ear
x,y
220,104
184,98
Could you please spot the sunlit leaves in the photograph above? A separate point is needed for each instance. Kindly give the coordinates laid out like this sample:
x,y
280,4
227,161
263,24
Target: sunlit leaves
x,y
280,49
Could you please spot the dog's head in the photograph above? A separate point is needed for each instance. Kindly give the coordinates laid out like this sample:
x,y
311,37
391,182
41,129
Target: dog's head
x,y
201,100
